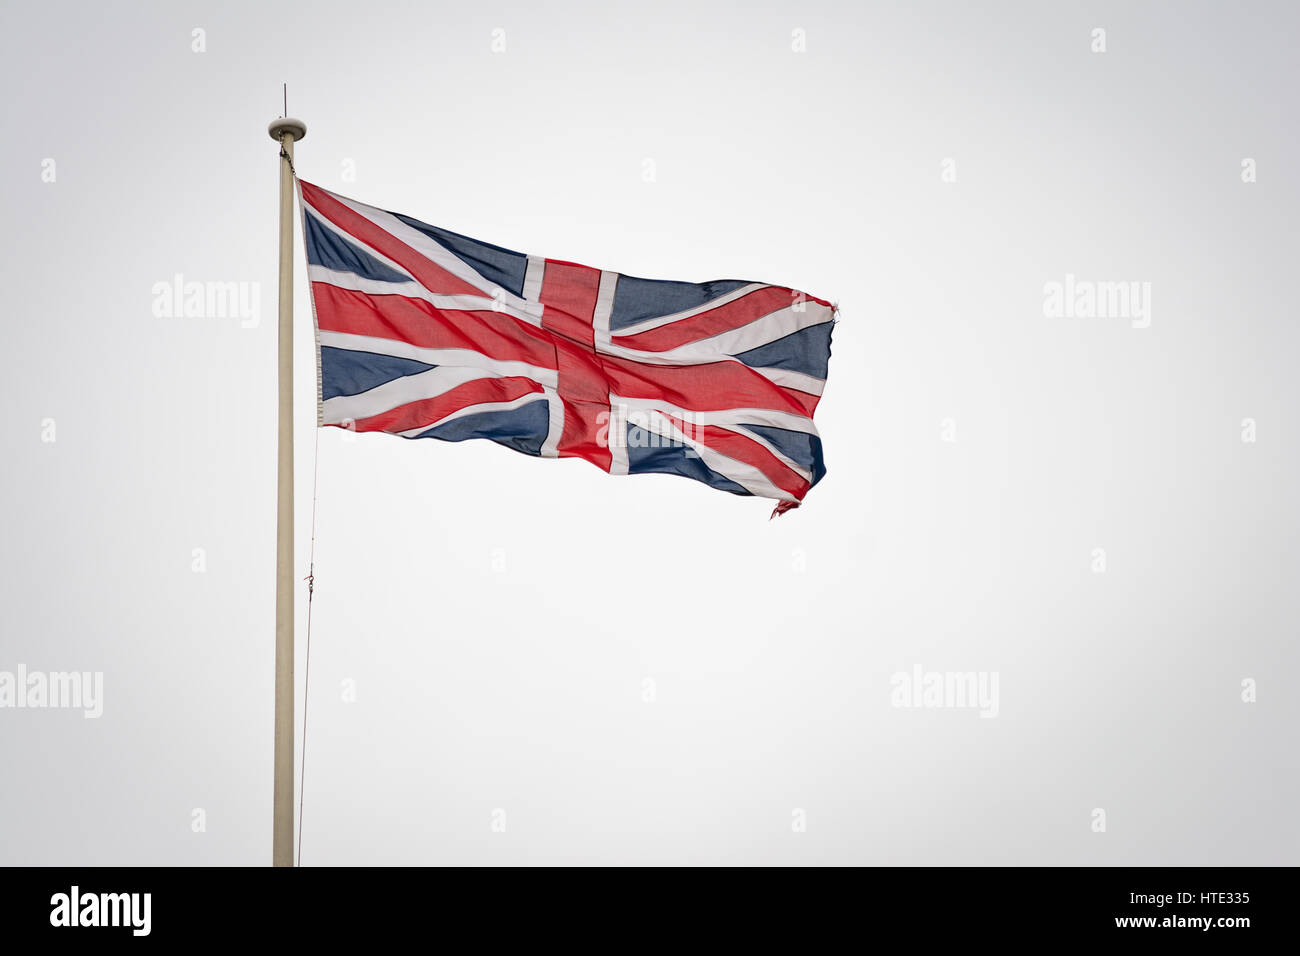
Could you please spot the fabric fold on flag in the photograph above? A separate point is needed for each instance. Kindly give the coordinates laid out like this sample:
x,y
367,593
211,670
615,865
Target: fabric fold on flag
x,y
425,333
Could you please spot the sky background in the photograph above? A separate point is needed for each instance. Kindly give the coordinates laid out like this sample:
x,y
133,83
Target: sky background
x,y
525,661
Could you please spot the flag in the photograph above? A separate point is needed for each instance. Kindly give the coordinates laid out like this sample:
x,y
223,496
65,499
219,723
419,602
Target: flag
x,y
425,333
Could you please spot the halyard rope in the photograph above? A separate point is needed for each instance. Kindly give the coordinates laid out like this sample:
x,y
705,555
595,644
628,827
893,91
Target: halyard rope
x,y
311,589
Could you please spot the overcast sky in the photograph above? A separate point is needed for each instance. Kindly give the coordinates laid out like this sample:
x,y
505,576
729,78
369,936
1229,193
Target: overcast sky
x,y
516,660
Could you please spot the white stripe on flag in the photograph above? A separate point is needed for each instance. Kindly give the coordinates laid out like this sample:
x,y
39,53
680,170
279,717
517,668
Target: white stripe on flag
x,y
436,253
604,307
743,474
533,277
474,410
647,324
761,331
453,357
400,391
729,416
413,290
347,237
551,447
616,436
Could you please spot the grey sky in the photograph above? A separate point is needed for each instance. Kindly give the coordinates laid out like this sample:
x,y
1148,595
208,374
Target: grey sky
x,y
643,670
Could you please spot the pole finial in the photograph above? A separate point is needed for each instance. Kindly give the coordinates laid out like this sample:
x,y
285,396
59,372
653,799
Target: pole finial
x,y
287,125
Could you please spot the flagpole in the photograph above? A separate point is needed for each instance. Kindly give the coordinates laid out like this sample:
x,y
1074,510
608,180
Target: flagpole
x,y
285,131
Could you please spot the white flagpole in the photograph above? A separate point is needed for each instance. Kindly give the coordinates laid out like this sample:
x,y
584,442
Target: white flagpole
x,y
285,131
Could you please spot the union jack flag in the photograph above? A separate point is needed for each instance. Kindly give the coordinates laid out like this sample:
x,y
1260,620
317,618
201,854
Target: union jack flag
x,y
425,333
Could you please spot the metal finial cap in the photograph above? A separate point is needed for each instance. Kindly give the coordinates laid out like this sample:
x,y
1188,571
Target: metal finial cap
x,y
287,125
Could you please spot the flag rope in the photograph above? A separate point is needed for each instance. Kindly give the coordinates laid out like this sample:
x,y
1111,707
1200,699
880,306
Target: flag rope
x,y
284,154
306,679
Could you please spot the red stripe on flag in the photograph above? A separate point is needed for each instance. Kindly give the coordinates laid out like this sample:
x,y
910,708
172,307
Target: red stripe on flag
x,y
744,449
705,388
731,315
569,296
420,323
428,411
430,275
